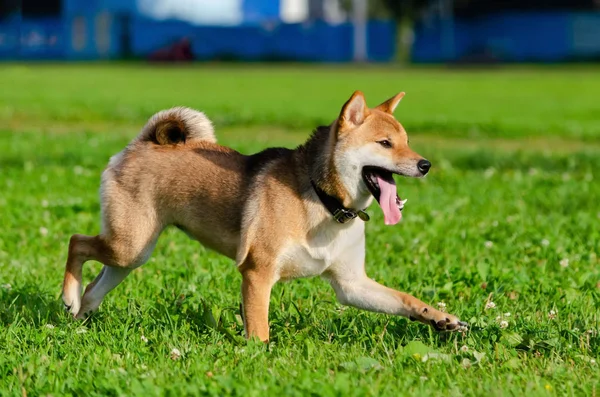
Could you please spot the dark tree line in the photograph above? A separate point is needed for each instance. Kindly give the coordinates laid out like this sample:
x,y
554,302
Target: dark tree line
x,y
397,9
30,8
409,8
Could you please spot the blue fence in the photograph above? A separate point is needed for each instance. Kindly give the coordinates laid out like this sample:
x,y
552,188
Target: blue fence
x,y
315,41
43,39
510,37
100,35
92,36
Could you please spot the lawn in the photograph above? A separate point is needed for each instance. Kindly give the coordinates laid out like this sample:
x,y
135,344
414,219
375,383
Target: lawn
x,y
504,231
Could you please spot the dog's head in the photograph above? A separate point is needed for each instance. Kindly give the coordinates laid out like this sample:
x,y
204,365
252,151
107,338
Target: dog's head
x,y
371,146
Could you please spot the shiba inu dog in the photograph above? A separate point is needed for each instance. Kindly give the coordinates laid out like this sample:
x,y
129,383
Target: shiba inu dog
x,y
280,214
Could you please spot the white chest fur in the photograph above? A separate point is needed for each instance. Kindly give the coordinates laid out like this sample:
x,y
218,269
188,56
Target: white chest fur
x,y
332,244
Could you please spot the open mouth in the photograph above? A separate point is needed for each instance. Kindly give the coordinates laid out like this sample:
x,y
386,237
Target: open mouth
x,y
382,186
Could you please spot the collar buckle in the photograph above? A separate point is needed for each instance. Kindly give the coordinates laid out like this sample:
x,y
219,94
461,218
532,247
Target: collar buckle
x,y
342,215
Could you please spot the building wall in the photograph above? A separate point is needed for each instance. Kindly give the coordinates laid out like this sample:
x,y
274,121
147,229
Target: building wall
x,y
509,37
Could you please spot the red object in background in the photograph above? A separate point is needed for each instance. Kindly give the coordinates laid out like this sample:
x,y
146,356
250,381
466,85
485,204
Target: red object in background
x,y
176,52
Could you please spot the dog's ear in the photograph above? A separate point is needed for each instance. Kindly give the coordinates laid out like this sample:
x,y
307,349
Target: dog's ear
x,y
354,111
390,105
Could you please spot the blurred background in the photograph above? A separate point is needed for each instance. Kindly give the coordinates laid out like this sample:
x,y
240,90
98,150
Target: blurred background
x,y
416,31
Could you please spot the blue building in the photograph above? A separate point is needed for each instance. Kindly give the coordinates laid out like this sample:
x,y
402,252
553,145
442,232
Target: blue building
x,y
240,29
509,37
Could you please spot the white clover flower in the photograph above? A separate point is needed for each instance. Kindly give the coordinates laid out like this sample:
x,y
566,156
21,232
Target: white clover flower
x,y
6,286
545,242
464,348
144,339
503,324
175,354
564,262
507,314
490,305
441,306
488,244
552,314
489,173
49,326
43,231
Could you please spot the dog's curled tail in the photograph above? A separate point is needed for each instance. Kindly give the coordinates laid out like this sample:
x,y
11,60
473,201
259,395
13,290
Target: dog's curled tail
x,y
177,125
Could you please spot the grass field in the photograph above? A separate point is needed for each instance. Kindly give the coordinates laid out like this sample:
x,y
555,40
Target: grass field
x,y
509,214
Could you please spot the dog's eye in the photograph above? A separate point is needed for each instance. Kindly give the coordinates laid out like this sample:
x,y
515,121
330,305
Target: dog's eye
x,y
385,143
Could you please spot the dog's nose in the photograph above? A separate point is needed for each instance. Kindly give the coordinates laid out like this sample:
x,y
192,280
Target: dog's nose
x,y
424,166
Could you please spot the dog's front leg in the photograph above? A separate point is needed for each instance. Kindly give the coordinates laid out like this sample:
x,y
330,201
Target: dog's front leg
x,y
256,293
354,288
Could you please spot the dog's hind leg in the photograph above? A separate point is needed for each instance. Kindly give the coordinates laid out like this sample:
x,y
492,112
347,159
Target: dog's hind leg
x,y
127,243
121,256
108,278
81,249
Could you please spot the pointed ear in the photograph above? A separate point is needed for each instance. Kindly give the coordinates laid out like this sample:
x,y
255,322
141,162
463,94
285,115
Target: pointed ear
x,y
354,111
390,105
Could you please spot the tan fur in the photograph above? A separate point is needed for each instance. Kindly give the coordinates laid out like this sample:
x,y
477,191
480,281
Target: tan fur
x,y
261,211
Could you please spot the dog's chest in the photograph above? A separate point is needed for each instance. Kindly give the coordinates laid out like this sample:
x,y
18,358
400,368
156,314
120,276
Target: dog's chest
x,y
329,246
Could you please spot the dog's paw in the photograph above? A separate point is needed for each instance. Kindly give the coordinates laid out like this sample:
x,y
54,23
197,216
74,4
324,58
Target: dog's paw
x,y
88,308
71,306
440,321
449,323
84,315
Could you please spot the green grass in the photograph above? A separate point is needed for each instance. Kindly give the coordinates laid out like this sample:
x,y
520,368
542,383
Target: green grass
x,y
540,102
492,222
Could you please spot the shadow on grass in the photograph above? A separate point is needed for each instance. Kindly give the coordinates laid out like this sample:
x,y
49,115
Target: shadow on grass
x,y
329,322
321,321
28,304
369,330
176,314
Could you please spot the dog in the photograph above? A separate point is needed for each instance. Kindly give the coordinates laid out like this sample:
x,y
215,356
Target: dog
x,y
280,214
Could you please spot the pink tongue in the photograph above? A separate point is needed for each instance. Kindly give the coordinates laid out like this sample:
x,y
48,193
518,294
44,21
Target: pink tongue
x,y
387,201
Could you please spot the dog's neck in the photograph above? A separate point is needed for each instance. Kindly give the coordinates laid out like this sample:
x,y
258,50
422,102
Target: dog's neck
x,y
318,154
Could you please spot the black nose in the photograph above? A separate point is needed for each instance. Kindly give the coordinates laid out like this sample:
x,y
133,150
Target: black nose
x,y
424,166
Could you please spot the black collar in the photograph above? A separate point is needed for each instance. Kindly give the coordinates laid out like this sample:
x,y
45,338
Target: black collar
x,y
333,205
